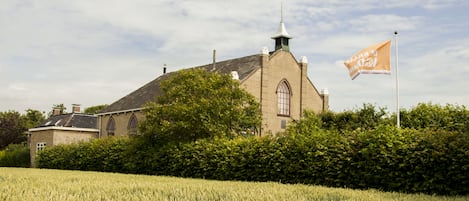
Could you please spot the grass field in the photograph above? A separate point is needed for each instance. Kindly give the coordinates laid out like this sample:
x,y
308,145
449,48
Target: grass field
x,y
40,184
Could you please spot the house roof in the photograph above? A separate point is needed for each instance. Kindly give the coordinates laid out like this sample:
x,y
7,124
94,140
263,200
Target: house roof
x,y
244,66
75,120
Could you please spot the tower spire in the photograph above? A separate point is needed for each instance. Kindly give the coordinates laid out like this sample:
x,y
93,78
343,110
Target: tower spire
x,y
281,37
281,11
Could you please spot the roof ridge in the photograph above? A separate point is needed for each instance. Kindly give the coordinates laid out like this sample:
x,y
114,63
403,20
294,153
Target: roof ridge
x,y
69,120
137,98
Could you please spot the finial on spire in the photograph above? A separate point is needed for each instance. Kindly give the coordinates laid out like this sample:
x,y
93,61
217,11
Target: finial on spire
x,y
281,31
282,36
281,11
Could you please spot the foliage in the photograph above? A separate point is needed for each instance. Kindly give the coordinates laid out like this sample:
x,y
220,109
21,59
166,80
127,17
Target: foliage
x,y
309,123
361,156
12,128
384,158
199,104
423,116
95,109
366,117
432,116
107,155
34,118
15,155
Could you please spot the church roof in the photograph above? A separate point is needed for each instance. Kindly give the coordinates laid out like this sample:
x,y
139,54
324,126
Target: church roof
x,y
75,120
244,66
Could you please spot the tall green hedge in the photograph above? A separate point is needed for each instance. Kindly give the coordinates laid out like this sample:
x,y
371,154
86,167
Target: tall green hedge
x,y
436,117
15,155
98,155
384,158
387,159
354,149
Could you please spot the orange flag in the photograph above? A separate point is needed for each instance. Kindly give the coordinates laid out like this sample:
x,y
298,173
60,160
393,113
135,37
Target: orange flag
x,y
371,60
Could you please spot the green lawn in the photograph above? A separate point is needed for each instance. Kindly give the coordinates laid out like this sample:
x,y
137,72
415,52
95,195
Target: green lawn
x,y
41,184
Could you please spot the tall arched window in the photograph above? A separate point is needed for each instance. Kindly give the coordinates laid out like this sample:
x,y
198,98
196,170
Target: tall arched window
x,y
283,98
132,127
111,127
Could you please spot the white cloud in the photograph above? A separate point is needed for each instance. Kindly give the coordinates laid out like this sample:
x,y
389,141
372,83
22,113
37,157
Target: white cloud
x,y
436,4
94,52
384,23
444,69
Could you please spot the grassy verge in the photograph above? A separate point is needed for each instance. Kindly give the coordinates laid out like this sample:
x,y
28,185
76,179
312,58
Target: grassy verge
x,y
41,184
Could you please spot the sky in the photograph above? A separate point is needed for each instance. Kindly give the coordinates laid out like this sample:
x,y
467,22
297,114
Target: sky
x,y
94,52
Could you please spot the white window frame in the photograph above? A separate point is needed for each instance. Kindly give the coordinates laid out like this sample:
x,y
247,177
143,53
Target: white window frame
x,y
283,99
40,146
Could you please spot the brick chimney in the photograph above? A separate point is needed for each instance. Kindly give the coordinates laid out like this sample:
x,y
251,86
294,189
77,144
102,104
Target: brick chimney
x,y
325,100
55,111
75,108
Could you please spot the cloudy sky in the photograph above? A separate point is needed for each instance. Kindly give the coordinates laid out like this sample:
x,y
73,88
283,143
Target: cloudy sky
x,y
94,52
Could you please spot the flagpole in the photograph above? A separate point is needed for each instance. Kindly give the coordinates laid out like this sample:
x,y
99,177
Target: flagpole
x,y
398,123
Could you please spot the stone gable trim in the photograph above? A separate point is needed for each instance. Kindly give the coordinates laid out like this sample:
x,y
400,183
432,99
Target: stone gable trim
x,y
120,111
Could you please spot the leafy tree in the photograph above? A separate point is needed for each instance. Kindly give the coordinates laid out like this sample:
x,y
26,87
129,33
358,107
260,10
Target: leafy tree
x,y
367,117
95,109
432,116
12,128
33,118
198,104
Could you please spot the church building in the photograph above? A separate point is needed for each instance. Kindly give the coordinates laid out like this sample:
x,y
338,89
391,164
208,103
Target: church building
x,y
277,79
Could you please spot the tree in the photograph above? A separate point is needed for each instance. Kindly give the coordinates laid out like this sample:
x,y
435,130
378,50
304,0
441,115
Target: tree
x,y
95,109
368,117
198,104
33,118
12,128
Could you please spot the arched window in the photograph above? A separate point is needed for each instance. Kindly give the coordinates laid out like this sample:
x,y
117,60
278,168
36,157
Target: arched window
x,y
111,127
283,98
132,126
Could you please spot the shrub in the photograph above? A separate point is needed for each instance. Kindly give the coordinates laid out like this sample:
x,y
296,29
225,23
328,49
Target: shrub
x,y
366,117
362,156
385,158
15,155
436,117
107,154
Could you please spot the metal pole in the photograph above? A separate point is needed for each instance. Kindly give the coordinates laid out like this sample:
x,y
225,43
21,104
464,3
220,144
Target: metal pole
x,y
398,123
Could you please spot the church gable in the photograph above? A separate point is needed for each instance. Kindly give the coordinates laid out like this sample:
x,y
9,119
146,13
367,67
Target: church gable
x,y
277,80
283,61
281,90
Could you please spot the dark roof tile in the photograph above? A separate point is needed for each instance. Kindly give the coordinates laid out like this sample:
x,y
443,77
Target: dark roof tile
x,y
76,120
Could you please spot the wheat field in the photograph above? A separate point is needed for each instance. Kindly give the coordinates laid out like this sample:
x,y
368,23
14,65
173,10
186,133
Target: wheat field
x,y
41,184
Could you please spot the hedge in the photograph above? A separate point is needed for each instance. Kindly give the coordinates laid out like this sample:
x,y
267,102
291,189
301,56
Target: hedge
x,y
15,155
107,155
385,158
